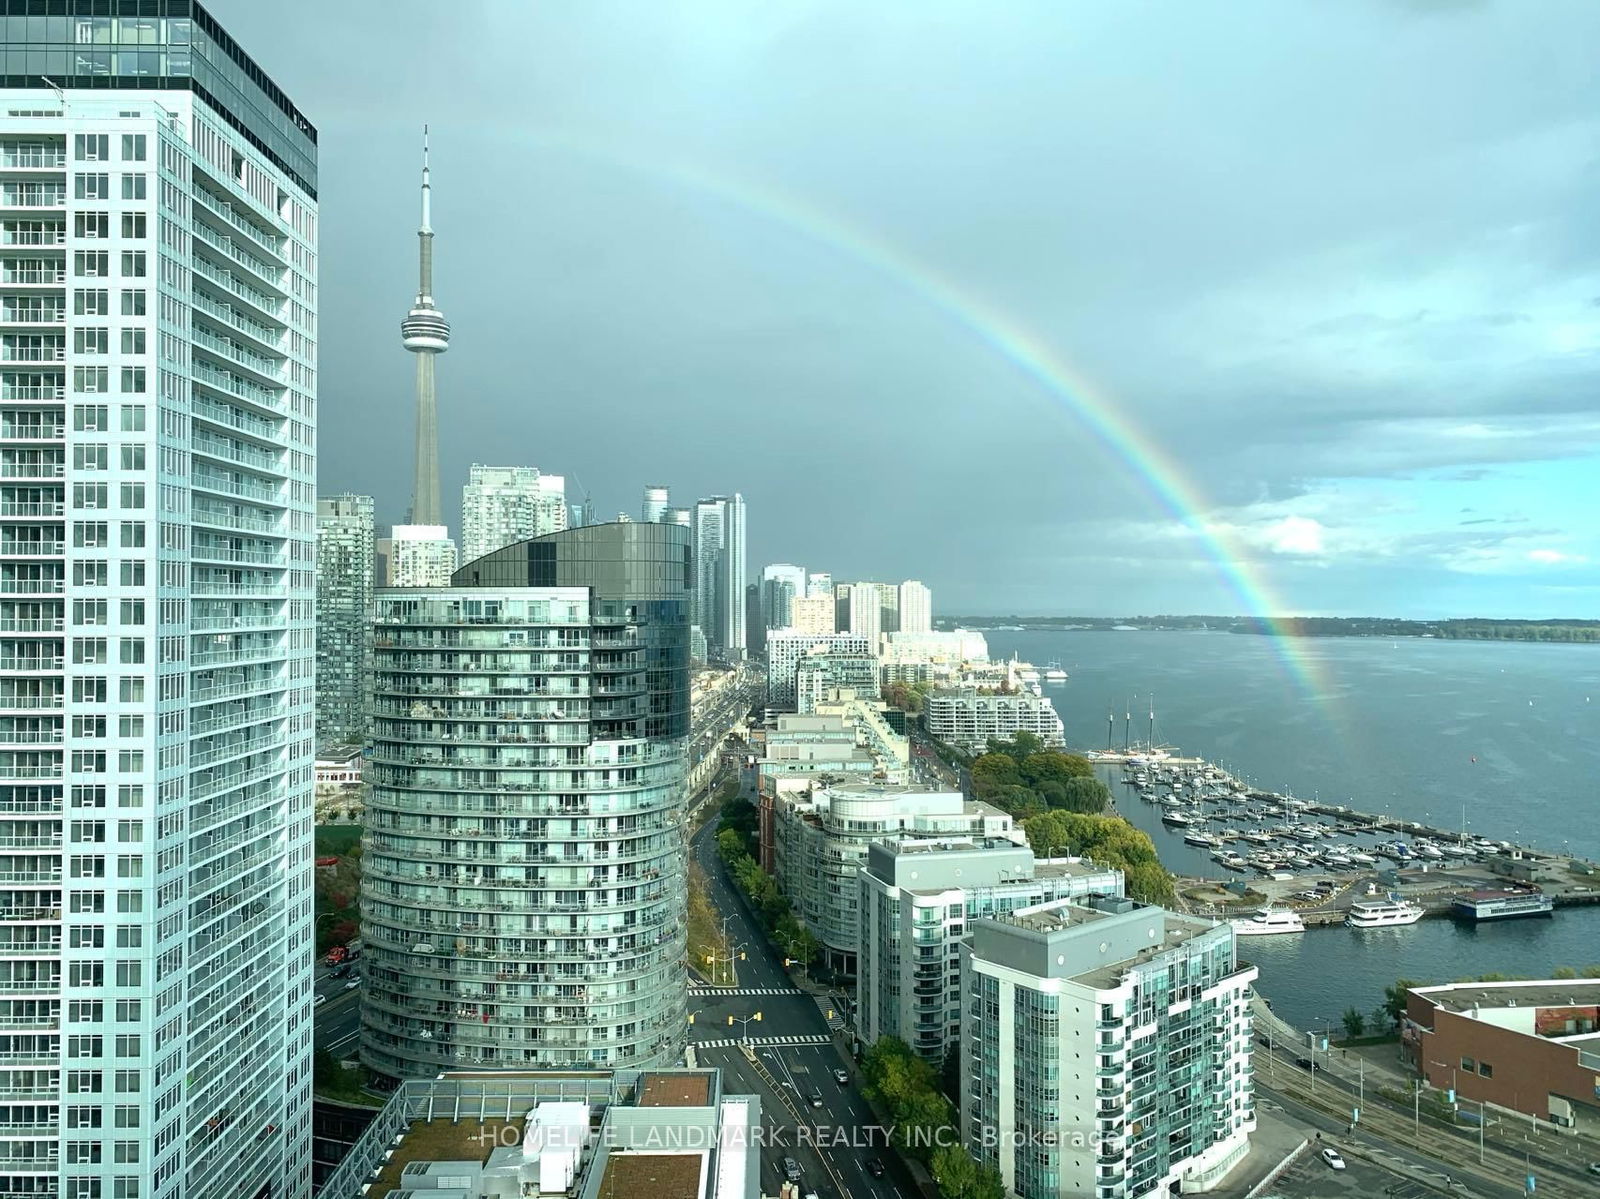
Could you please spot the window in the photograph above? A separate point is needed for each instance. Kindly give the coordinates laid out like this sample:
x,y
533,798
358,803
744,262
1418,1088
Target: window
x,y
88,728
132,534
89,496
133,495
131,650
92,224
82,1153
91,264
89,457
88,690
129,1011
130,973
133,304
88,302
133,264
133,147
1468,1065
91,611
133,340
89,795
88,574
133,224
90,534
88,651
127,1081
91,147
133,414
132,574
82,1116
91,379
131,690
1485,1070
89,761
129,902
133,380
130,795
133,187
90,418
131,761
89,340
130,831
92,187
133,612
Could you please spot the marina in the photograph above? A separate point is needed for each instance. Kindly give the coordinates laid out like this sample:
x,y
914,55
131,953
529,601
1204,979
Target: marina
x,y
1328,865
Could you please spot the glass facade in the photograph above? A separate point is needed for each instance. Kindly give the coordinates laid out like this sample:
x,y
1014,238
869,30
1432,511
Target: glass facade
x,y
155,44
523,902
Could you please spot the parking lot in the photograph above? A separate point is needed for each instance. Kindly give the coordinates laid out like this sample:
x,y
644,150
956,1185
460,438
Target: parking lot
x,y
1311,1178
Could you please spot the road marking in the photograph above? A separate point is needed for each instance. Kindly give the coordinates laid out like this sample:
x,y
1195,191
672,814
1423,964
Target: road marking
x,y
712,992
764,1042
831,1011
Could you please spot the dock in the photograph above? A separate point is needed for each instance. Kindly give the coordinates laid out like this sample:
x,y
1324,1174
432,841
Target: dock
x,y
1290,844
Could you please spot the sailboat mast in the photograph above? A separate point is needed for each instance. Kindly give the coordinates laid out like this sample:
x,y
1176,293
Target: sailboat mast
x,y
1127,727
1111,729
1152,722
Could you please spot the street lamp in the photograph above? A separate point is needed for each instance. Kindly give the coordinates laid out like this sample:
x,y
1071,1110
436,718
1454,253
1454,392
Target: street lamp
x,y
1452,1070
745,1021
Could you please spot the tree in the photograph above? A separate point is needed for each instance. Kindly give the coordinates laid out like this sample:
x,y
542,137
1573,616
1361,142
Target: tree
x,y
1354,1022
1394,999
961,1177
1051,765
995,770
1087,795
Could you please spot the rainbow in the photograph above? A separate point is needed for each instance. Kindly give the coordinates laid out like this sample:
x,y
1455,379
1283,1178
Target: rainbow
x,y
1093,410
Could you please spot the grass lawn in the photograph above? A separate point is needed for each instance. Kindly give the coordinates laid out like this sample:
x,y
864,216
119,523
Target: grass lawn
x,y
337,838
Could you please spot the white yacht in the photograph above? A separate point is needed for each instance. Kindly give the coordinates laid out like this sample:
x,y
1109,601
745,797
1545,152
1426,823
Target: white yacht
x,y
1267,922
1383,913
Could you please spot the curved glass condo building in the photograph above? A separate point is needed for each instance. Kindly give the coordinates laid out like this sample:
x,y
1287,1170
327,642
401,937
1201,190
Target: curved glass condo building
x,y
523,901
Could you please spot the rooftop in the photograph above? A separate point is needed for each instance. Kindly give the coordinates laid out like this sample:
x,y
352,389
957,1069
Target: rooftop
x,y
443,1141
675,1090
1535,993
652,1176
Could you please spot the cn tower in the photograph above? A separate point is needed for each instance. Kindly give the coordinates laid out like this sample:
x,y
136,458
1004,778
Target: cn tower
x,y
426,334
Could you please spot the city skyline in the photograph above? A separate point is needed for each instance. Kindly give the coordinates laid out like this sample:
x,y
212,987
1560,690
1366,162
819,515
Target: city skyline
x,y
1315,319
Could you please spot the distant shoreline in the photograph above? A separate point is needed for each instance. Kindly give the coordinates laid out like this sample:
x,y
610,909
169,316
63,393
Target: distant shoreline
x,y
1538,631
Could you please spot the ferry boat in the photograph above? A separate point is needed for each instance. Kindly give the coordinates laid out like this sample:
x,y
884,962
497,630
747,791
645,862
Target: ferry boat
x,y
1501,905
1383,913
1266,922
1053,673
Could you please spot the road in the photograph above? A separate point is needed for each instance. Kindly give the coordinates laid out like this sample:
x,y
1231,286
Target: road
x,y
1323,1103
795,1054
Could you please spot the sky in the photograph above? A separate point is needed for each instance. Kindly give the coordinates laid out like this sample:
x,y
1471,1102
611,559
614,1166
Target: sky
x,y
1095,308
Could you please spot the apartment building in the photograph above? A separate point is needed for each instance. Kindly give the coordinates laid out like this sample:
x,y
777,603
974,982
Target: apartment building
x,y
344,616
968,717
1106,1050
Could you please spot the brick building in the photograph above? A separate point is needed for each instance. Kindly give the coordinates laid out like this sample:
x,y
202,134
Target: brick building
x,y
1532,1046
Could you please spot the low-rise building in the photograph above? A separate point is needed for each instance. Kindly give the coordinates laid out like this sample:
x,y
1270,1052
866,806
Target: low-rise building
x,y
968,717
918,899
1107,1050
1532,1046
820,841
660,1134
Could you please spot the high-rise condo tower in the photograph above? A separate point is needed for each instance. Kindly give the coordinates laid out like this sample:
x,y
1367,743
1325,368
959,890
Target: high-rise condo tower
x,y
426,334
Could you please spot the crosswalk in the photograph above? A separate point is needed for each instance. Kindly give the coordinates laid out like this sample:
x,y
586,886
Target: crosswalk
x,y
764,1042
713,992
831,1011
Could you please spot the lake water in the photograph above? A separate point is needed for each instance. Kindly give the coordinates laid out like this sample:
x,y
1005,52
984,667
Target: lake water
x,y
1502,735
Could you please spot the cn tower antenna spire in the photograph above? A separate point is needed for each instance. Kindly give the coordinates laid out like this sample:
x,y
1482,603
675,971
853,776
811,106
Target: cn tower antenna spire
x,y
426,333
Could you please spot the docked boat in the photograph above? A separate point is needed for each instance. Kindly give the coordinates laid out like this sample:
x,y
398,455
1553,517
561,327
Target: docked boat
x,y
1203,840
1054,674
1258,837
1428,850
1363,859
1266,922
1383,913
1175,818
1501,905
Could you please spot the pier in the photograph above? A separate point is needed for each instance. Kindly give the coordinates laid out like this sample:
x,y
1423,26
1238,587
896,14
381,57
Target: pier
x,y
1318,859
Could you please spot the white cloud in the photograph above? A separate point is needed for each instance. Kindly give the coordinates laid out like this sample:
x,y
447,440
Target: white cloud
x,y
1549,557
1295,535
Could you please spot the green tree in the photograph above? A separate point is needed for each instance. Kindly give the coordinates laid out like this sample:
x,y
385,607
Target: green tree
x,y
995,770
1563,972
961,1177
1088,795
1354,1022
1018,748
1052,765
1394,999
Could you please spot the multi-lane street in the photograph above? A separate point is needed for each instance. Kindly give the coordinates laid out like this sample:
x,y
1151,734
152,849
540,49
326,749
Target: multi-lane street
x,y
338,1014
788,1058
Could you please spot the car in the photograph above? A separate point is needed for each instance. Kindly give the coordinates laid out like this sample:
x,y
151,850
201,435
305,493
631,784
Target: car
x,y
1305,1063
1331,1156
341,970
354,982
319,1001
1594,1168
874,1167
791,1169
816,1098
841,1076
